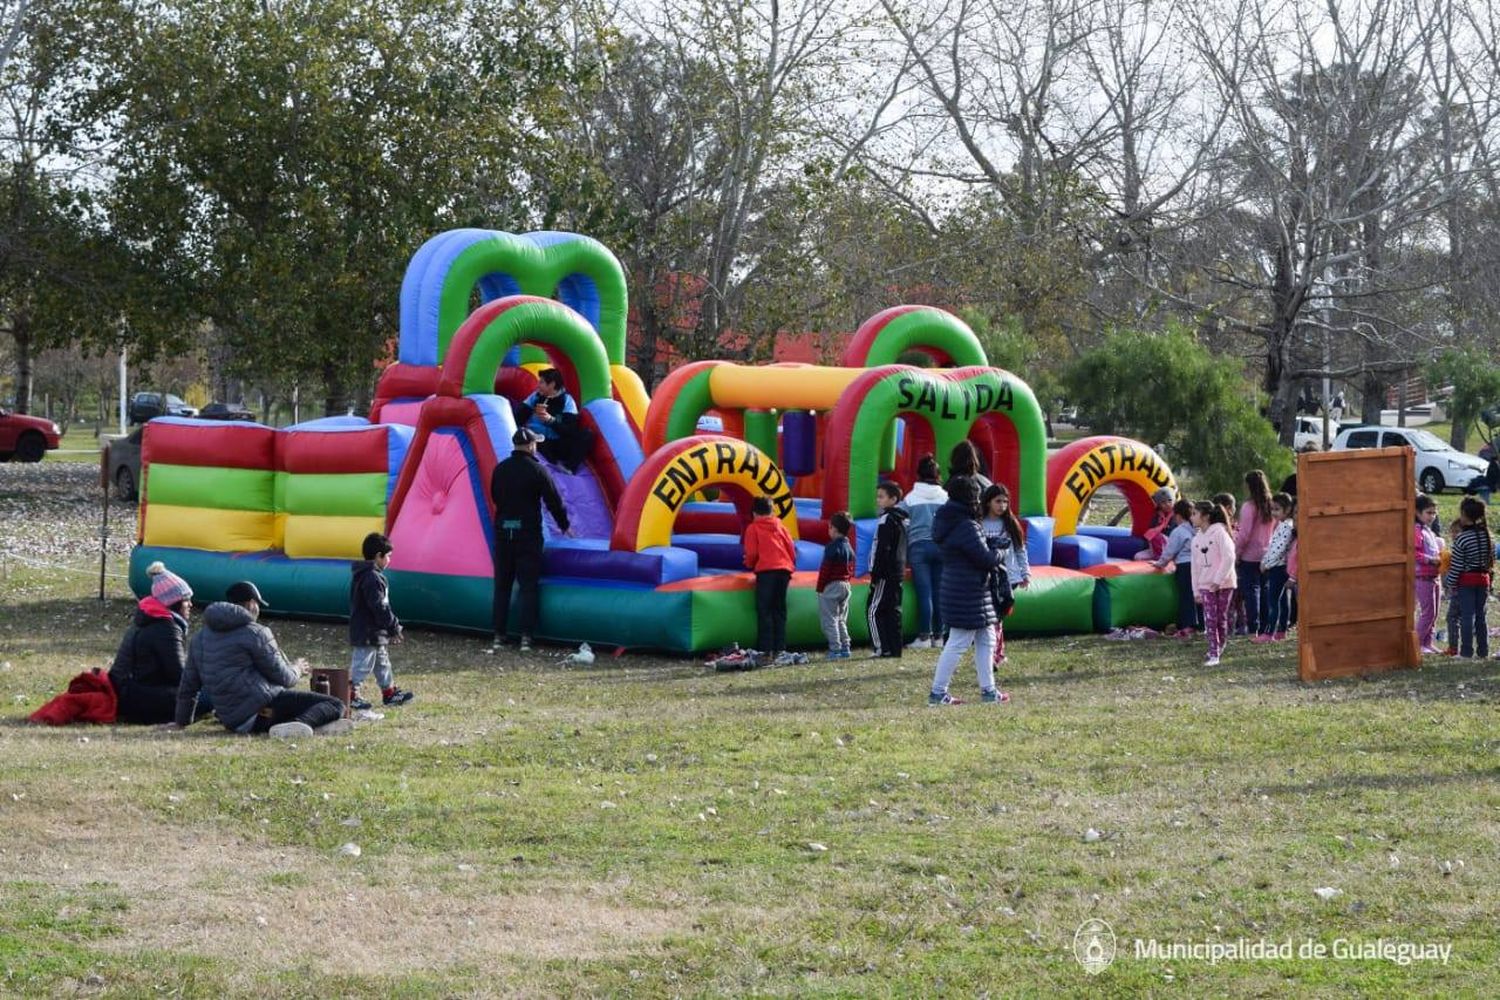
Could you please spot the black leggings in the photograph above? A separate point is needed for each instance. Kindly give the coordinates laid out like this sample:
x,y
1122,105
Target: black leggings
x,y
300,706
146,704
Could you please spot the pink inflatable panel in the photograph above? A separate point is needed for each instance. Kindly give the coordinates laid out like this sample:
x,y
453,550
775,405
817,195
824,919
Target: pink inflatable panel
x,y
440,528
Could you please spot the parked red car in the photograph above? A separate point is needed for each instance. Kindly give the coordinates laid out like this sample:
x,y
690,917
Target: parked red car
x,y
26,439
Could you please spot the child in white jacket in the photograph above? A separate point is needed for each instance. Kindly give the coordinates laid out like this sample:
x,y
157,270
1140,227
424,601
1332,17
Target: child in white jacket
x,y
1213,575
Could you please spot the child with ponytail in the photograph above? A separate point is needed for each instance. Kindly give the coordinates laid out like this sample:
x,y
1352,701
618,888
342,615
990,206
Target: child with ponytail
x,y
1469,576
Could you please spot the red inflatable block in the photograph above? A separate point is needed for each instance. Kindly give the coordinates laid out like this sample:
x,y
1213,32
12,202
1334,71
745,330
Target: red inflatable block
x,y
362,450
209,443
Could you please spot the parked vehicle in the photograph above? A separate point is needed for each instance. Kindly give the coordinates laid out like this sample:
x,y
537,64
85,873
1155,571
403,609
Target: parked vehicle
x,y
26,438
226,411
1439,465
145,406
123,460
1308,435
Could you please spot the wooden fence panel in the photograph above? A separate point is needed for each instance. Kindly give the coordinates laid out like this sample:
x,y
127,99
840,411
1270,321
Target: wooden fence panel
x,y
1356,570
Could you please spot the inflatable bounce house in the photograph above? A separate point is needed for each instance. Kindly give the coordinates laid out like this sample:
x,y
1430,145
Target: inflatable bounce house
x,y
657,507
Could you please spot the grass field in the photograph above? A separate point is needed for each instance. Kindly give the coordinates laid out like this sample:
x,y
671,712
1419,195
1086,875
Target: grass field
x,y
645,828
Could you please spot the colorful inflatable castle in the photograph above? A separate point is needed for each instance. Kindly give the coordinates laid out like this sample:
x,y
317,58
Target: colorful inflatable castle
x,y
657,507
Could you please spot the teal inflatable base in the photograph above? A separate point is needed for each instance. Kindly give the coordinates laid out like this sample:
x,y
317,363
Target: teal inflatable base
x,y
675,618
1137,599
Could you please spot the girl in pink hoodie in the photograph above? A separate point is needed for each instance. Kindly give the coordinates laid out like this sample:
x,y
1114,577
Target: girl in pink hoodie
x,y
1213,574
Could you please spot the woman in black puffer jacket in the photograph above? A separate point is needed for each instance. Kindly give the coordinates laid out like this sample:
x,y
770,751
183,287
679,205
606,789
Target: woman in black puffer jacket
x,y
964,596
148,665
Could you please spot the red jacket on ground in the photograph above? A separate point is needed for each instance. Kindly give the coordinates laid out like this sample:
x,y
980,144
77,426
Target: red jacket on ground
x,y
90,698
768,545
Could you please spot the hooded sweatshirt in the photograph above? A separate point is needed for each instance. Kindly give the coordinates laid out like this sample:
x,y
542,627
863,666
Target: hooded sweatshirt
x,y
236,660
769,546
891,541
371,620
921,504
1213,560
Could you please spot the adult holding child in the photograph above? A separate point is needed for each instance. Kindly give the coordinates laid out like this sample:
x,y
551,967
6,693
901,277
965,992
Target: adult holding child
x,y
251,683
148,665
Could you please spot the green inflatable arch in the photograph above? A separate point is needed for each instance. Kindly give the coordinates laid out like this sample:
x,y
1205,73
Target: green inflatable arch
x,y
480,345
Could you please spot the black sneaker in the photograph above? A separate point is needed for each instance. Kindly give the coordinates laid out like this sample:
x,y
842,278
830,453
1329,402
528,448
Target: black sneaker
x,y
358,704
396,697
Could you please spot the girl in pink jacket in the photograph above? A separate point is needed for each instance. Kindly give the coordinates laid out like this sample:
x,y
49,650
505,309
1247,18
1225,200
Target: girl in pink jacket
x,y
1213,575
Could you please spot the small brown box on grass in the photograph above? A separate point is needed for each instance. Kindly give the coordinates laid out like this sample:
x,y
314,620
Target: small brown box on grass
x,y
331,680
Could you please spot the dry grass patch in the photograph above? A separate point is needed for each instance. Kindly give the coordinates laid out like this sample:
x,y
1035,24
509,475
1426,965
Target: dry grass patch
x,y
211,892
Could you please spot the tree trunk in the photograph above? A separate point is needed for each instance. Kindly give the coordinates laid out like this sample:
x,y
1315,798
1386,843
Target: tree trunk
x,y
1372,385
25,375
335,392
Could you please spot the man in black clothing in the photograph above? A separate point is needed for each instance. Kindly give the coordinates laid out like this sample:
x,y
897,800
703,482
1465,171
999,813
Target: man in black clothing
x,y
518,487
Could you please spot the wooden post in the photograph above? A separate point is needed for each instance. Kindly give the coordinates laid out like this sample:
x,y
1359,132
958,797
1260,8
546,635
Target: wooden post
x,y
1356,579
104,519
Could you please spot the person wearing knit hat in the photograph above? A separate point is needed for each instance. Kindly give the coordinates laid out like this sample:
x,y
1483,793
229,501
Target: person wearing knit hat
x,y
169,588
1161,523
148,665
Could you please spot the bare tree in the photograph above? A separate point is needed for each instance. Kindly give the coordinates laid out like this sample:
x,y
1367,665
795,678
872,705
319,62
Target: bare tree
x,y
1335,180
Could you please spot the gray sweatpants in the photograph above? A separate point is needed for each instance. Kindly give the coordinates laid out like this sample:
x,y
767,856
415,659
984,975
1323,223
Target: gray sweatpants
x,y
833,613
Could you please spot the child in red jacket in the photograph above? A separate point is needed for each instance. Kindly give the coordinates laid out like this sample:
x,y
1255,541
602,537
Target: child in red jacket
x,y
772,555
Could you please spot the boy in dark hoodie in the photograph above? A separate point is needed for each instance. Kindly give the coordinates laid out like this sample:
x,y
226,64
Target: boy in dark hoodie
x,y
887,568
373,625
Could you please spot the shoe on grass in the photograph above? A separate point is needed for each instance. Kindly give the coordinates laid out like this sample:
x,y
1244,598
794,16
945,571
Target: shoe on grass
x,y
358,704
994,697
920,642
290,731
337,727
1210,661
525,646
395,698
934,699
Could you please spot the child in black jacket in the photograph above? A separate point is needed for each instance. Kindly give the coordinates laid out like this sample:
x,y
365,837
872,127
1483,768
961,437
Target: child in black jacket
x,y
373,625
887,568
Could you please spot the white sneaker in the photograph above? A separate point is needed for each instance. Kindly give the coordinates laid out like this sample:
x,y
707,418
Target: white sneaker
x,y
920,643
336,728
290,731
1210,661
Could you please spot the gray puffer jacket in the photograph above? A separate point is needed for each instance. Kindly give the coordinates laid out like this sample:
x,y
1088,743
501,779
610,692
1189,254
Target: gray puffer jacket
x,y
238,662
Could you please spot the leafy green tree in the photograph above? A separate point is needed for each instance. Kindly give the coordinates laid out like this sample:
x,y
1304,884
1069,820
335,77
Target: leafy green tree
x,y
1475,379
281,162
1168,390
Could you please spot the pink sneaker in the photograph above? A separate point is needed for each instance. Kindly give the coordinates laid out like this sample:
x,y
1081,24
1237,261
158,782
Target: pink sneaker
x,y
1258,638
1278,637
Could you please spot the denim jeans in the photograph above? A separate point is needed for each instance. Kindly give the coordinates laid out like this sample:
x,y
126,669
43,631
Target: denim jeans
x,y
368,659
926,564
1473,631
1277,609
1252,587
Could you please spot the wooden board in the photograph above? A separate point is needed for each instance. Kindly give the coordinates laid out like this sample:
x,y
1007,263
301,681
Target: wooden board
x,y
1356,581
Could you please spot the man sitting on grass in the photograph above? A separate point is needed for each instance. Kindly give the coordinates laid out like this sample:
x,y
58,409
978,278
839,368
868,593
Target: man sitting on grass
x,y
250,682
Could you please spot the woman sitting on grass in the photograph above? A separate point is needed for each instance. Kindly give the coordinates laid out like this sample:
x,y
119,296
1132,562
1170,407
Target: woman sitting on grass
x,y
148,665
